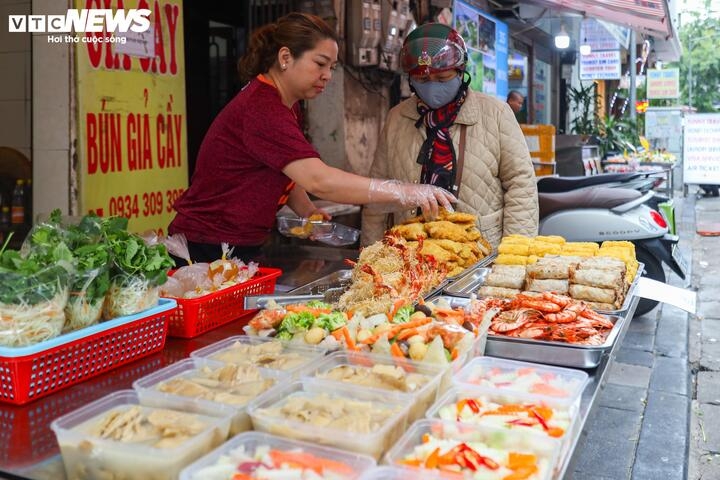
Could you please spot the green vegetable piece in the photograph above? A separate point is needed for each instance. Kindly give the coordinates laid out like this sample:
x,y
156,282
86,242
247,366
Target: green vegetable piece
x,y
403,314
330,321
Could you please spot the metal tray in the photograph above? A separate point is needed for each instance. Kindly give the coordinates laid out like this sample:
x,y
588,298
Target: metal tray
x,y
542,351
469,284
339,279
480,263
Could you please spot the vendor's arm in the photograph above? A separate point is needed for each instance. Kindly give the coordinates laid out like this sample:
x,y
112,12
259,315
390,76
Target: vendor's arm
x,y
517,174
337,185
301,204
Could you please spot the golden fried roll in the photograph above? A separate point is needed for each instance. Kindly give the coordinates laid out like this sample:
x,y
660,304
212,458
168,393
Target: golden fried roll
x,y
516,238
593,294
598,278
447,230
549,270
458,217
497,292
514,249
550,239
541,248
508,259
547,285
601,307
603,263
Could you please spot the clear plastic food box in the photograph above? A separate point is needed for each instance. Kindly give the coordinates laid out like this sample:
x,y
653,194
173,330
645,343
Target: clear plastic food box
x,y
148,391
503,440
251,441
373,443
508,397
398,473
563,385
419,399
330,233
88,456
222,351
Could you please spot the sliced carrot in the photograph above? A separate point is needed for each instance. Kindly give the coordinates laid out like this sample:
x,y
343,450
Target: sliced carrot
x,y
396,351
241,476
545,412
397,305
306,460
412,462
405,334
517,460
425,438
415,323
337,334
546,389
525,371
350,314
349,342
522,473
556,432
432,460
454,354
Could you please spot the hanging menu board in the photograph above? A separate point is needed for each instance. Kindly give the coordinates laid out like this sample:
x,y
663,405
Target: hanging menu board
x,y
487,41
600,65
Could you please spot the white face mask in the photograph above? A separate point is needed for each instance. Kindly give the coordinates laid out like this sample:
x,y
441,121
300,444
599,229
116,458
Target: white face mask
x,y
437,94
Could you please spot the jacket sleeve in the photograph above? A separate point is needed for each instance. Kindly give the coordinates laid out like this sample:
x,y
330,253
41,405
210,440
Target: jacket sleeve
x,y
517,176
373,224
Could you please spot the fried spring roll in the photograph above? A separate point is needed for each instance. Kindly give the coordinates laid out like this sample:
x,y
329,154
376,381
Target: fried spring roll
x,y
598,278
508,279
602,263
593,294
548,270
497,292
545,285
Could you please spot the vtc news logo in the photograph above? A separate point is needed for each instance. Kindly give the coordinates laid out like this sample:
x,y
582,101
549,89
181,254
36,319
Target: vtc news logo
x,y
84,20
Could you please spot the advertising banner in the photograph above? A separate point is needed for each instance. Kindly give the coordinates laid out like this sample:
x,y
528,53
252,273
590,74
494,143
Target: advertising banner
x,y
131,115
701,153
600,65
663,83
487,41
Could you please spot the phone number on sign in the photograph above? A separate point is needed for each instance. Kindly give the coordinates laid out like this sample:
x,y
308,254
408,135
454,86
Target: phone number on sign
x,y
145,205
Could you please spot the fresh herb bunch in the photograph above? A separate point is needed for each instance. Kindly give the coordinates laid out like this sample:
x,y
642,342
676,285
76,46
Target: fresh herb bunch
x,y
36,278
133,258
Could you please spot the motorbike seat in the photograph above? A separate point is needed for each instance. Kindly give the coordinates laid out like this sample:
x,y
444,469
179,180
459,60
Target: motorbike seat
x,y
565,184
596,197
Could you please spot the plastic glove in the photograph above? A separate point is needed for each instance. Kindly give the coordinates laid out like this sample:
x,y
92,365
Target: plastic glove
x,y
409,195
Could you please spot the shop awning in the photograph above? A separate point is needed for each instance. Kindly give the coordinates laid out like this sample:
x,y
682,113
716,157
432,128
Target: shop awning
x,y
651,17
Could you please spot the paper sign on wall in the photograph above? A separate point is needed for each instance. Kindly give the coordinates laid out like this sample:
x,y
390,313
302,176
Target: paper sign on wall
x,y
663,83
600,65
701,144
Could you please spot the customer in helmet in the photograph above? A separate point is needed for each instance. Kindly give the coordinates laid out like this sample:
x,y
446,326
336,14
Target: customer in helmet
x,y
492,177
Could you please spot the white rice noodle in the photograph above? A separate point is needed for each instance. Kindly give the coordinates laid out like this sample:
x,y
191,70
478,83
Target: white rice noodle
x,y
80,313
128,296
22,324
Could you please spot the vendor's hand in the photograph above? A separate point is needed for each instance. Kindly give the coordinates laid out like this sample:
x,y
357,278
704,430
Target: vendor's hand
x,y
410,195
320,212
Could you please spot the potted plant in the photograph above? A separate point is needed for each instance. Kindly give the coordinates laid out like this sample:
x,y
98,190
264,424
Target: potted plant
x,y
584,102
614,135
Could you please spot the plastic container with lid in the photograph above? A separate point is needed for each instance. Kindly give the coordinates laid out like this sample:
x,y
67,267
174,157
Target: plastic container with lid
x,y
299,357
425,436
563,385
221,462
390,421
562,415
89,456
149,393
418,396
398,473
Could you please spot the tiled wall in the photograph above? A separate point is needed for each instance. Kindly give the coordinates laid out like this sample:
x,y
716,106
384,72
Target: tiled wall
x,y
15,81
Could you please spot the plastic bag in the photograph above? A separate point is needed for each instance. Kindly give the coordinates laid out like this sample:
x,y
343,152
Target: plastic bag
x,y
177,245
32,304
129,294
87,297
188,282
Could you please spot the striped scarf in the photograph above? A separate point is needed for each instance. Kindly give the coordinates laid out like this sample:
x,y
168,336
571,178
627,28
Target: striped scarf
x,y
437,154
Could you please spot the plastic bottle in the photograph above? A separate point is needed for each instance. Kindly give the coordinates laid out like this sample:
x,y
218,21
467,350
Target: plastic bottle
x,y
17,211
5,217
28,201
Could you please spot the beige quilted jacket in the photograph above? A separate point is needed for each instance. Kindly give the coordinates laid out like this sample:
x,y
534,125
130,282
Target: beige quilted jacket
x,y
498,179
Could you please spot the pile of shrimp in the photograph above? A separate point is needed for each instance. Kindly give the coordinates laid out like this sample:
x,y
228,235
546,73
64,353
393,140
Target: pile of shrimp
x,y
548,316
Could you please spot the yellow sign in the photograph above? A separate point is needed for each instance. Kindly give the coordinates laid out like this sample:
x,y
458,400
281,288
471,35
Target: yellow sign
x,y
132,116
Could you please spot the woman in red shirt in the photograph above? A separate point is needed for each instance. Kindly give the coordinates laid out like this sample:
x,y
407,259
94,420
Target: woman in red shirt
x,y
255,158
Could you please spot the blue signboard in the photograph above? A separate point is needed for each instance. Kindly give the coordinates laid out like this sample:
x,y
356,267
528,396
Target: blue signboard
x,y
487,41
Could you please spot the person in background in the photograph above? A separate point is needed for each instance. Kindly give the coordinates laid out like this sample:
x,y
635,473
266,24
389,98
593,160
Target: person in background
x,y
255,158
515,99
457,139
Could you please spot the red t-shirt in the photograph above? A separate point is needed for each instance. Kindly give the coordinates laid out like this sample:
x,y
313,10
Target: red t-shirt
x,y
238,180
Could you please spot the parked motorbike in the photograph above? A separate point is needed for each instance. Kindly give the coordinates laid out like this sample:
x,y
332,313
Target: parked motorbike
x,y
603,213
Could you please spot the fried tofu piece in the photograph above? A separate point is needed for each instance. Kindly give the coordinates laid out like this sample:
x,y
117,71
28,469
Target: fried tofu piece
x,y
450,245
516,238
410,231
447,230
458,217
440,254
514,249
508,259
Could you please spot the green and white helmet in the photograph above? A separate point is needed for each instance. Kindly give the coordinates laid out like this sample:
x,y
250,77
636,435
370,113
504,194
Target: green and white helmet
x,y
432,48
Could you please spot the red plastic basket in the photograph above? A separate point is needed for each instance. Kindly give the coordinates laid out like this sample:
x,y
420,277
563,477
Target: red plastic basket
x,y
195,316
102,347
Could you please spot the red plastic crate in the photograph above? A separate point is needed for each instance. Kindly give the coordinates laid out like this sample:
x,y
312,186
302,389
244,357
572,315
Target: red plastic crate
x,y
195,316
24,378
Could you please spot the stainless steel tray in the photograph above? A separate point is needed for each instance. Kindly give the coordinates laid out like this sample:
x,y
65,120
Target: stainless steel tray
x,y
541,351
260,301
470,282
339,279
480,263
